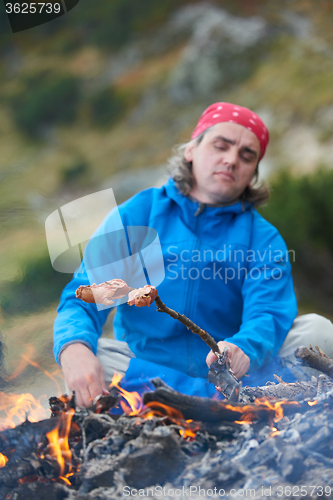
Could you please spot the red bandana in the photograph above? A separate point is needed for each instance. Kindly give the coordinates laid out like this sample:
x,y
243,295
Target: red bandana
x,y
225,112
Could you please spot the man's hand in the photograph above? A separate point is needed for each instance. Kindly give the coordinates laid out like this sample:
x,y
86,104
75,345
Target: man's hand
x,y
83,373
239,361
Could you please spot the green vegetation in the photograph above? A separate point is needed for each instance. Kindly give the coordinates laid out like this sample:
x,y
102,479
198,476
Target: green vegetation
x,y
46,99
110,24
50,98
38,286
74,174
301,208
106,107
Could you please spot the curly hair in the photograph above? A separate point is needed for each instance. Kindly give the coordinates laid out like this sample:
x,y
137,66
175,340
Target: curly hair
x,y
181,171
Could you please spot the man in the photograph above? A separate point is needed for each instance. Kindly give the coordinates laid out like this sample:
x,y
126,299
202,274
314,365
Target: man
x,y
226,268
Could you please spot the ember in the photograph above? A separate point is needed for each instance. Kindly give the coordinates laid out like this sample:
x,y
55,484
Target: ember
x,y
3,460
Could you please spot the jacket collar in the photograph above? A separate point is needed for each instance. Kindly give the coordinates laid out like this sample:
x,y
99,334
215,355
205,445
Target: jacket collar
x,y
196,207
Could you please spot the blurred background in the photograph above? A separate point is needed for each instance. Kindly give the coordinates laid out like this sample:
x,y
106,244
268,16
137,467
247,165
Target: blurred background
x,y
97,98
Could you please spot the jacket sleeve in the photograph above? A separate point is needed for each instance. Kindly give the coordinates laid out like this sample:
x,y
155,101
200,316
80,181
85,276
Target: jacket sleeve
x,y
114,251
76,320
269,302
103,260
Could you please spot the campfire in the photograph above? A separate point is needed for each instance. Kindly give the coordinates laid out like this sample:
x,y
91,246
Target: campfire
x,y
275,440
173,441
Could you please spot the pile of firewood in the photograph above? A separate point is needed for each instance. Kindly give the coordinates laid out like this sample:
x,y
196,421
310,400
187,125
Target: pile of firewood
x,y
177,442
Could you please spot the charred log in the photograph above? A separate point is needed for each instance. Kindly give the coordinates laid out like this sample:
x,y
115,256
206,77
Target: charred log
x,y
209,410
25,438
317,360
295,391
102,404
39,491
154,457
10,475
61,405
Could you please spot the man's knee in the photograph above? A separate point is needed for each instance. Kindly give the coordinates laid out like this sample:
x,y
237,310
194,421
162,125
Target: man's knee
x,y
115,357
309,329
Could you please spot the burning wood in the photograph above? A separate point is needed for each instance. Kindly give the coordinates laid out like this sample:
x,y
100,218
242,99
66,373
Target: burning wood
x,y
79,454
209,410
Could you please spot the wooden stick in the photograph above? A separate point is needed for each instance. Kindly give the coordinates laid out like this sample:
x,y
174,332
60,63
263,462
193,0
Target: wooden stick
x,y
161,307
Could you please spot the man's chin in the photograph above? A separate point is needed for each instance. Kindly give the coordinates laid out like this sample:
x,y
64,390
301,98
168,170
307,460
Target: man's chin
x,y
224,199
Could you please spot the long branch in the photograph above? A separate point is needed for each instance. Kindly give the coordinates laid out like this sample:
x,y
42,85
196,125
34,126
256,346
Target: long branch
x,y
161,307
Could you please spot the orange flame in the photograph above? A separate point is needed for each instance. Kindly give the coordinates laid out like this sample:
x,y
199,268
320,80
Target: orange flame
x,y
58,443
54,448
66,481
133,398
47,373
3,460
312,403
250,412
26,359
21,366
157,409
154,408
189,431
14,409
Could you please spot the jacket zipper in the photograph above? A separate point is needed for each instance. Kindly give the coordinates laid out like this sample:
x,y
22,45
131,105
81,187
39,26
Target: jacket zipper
x,y
191,289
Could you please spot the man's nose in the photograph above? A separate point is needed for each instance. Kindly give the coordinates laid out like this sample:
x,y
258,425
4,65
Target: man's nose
x,y
230,158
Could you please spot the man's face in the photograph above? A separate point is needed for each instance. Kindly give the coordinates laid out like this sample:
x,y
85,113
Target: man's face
x,y
223,163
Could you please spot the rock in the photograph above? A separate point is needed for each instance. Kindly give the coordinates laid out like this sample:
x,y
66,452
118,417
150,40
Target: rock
x,y
218,52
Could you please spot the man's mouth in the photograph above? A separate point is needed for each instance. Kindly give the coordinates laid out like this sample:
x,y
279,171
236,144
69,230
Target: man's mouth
x,y
225,175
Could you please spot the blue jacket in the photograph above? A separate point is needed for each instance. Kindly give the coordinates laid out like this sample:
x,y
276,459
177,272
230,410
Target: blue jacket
x,y
226,268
